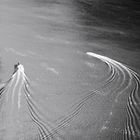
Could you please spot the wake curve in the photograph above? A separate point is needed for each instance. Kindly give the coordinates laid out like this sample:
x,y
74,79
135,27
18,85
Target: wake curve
x,y
121,79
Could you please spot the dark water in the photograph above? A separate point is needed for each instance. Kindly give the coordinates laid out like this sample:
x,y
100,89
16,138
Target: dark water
x,y
121,15
70,92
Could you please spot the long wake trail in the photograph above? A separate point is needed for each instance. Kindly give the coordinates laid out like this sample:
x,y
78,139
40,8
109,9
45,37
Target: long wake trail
x,y
18,104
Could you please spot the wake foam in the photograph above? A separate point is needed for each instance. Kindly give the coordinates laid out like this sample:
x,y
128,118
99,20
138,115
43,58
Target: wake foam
x,y
17,95
129,82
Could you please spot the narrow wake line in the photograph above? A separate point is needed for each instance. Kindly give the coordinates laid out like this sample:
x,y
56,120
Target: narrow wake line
x,y
121,79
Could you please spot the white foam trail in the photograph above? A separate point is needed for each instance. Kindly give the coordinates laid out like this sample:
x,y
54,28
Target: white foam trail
x,y
120,79
20,75
131,81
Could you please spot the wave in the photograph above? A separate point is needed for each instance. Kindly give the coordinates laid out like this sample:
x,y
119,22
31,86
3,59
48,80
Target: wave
x,y
16,94
128,83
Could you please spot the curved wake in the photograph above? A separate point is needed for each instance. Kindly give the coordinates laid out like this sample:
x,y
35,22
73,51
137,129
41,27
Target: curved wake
x,y
16,96
129,83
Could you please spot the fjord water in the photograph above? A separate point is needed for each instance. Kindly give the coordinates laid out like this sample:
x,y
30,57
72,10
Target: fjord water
x,y
73,85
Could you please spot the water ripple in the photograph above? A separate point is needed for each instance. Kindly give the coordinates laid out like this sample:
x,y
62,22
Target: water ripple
x,y
17,93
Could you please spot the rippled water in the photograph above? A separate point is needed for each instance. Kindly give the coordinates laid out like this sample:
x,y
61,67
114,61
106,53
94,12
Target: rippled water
x,y
109,111
79,77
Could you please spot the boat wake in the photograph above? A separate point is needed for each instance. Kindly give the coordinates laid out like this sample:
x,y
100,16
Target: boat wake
x,y
22,118
128,82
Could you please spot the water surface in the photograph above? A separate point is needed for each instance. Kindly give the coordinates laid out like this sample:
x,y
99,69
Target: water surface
x,y
71,53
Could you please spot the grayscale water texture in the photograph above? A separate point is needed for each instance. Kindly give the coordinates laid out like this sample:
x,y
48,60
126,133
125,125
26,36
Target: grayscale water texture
x,y
78,76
